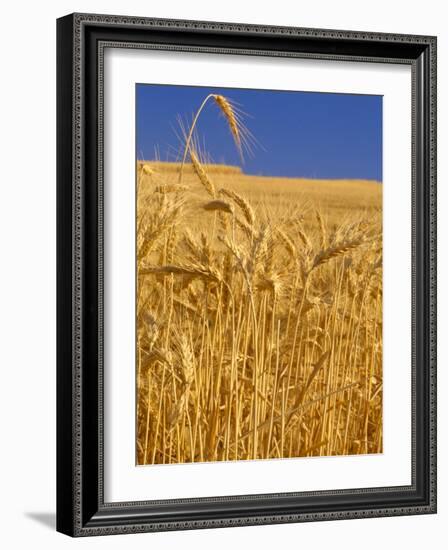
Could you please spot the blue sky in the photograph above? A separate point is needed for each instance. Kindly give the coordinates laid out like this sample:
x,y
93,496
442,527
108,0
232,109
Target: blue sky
x,y
301,134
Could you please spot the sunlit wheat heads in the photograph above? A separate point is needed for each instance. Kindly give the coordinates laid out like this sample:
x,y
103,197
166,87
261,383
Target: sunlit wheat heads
x,y
259,326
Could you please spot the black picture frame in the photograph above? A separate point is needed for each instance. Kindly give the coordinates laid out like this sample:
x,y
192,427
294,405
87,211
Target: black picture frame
x,y
81,510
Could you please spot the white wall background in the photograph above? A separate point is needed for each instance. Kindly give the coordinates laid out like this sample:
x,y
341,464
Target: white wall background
x,y
27,274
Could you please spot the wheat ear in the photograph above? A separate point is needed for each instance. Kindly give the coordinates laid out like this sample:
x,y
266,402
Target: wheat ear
x,y
202,175
244,205
335,251
229,113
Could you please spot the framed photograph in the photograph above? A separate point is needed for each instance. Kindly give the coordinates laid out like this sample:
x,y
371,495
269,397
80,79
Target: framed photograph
x,y
246,274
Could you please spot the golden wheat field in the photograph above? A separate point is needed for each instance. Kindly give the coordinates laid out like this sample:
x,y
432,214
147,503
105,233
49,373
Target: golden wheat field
x,y
259,314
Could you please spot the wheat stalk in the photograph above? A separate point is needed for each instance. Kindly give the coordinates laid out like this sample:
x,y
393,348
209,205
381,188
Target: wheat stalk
x,y
328,254
202,175
170,188
203,272
236,126
244,205
229,112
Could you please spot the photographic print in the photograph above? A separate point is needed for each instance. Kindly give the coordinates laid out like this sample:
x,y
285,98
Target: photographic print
x,y
231,201
259,274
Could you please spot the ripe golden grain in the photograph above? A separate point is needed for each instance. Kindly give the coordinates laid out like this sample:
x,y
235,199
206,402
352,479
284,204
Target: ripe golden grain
x,y
259,336
202,175
229,112
244,205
